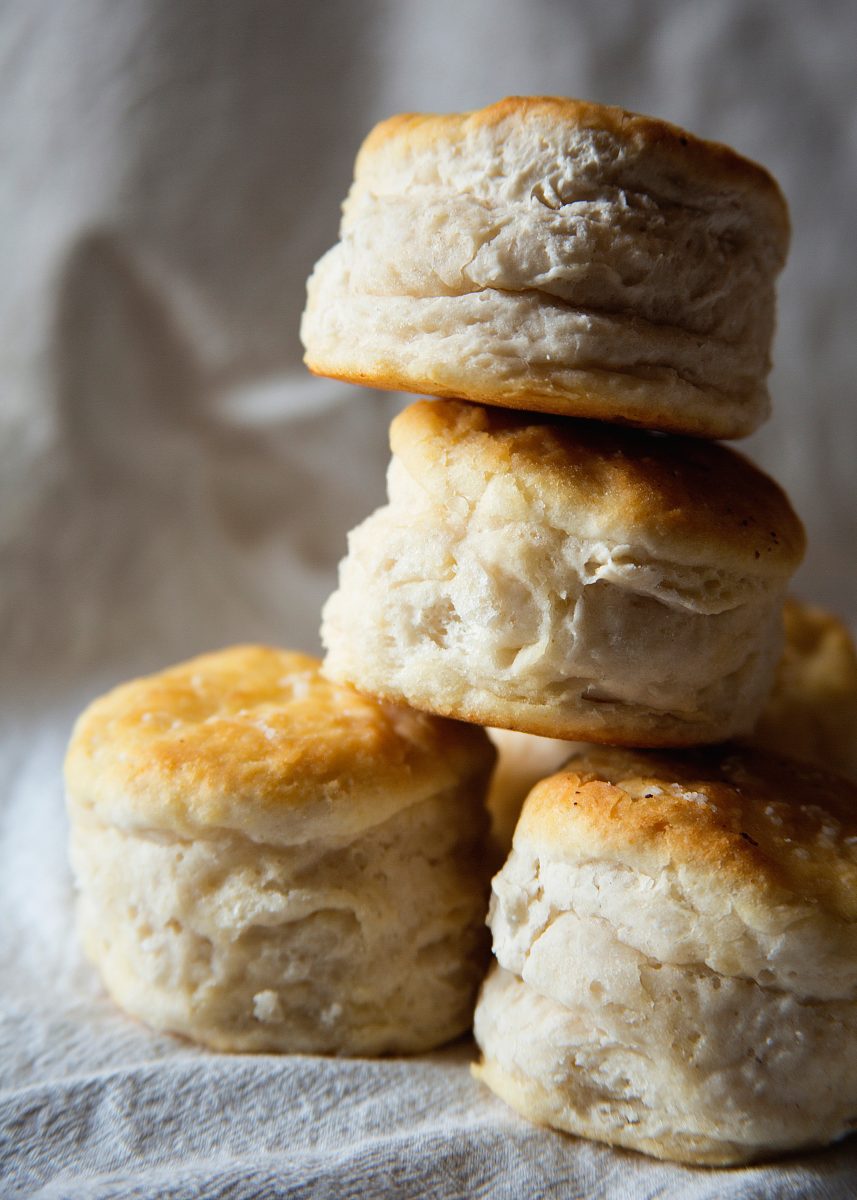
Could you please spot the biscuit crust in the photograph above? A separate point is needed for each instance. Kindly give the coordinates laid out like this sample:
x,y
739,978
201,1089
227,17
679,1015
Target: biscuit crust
x,y
556,256
767,826
243,833
682,499
566,580
676,940
811,714
256,739
707,161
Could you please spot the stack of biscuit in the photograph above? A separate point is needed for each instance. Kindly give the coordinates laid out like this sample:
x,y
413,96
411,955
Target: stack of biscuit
x,y
542,570
277,854
588,296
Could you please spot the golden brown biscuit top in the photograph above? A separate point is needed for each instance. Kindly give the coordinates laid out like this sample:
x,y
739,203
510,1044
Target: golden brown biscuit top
x,y
733,817
255,739
678,499
688,159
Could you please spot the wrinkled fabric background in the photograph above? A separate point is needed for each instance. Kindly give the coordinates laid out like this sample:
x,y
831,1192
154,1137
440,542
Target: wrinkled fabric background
x,y
171,480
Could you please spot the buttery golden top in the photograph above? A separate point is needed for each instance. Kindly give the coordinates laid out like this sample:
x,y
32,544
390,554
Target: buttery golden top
x,y
732,818
255,739
677,499
681,161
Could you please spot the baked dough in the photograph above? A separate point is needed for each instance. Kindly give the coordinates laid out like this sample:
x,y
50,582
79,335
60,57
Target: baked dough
x,y
243,833
812,711
677,946
523,760
567,579
558,256
811,714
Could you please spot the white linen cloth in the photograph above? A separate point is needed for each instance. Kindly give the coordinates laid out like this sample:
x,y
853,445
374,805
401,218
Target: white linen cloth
x,y
171,481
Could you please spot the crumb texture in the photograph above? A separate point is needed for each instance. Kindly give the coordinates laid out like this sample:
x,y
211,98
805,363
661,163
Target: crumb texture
x,y
536,576
269,861
369,946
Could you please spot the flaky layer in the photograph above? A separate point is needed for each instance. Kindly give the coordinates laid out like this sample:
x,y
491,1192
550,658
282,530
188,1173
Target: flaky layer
x,y
693,1068
494,616
305,948
811,714
736,840
528,352
676,937
548,255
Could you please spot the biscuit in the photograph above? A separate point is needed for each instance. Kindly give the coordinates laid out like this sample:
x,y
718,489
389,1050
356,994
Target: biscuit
x,y
677,946
812,711
556,256
523,760
567,579
242,835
